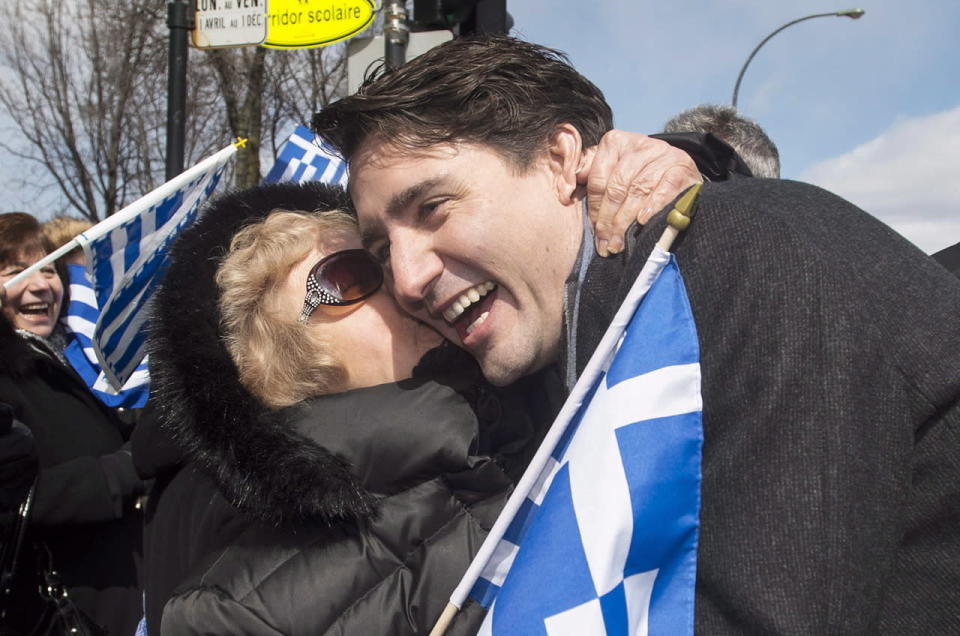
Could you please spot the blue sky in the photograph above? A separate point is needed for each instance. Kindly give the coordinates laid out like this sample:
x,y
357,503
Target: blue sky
x,y
867,108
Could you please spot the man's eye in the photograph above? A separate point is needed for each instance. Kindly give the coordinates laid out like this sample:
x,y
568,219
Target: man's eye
x,y
429,207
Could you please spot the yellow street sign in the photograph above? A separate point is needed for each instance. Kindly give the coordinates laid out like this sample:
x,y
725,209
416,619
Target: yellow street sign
x,y
297,24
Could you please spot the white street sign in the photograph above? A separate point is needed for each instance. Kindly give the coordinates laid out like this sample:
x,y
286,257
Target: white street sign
x,y
219,23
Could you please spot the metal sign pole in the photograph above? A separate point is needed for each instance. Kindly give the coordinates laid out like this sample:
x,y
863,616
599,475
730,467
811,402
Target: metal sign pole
x,y
396,33
178,20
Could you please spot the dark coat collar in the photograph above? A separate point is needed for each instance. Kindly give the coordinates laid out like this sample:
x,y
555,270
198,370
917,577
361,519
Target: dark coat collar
x,y
395,435
606,284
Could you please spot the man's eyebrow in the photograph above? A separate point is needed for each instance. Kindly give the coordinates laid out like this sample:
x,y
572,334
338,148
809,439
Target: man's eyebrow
x,y
399,202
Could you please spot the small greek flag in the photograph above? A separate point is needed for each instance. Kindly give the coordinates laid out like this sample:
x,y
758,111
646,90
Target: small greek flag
x,y
81,319
127,254
304,157
604,540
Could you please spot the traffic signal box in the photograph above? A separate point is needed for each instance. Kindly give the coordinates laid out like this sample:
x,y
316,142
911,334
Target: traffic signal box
x,y
463,17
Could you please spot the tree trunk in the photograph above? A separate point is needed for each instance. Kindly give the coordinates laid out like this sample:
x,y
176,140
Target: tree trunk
x,y
240,73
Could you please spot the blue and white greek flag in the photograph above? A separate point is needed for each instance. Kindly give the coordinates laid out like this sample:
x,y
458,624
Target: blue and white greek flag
x,y
304,157
126,264
81,320
605,542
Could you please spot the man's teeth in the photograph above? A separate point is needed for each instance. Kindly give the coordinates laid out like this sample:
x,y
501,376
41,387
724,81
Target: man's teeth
x,y
467,298
476,323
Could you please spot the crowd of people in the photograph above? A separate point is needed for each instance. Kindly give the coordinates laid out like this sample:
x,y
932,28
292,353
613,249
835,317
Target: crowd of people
x,y
347,386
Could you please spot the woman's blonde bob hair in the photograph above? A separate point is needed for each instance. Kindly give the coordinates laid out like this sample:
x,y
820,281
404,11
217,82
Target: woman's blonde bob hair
x,y
60,230
279,360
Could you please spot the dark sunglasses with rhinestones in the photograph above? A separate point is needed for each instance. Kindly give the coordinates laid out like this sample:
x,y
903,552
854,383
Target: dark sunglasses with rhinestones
x,y
341,278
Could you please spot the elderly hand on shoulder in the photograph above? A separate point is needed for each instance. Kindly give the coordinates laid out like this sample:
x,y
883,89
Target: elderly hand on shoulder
x,y
630,177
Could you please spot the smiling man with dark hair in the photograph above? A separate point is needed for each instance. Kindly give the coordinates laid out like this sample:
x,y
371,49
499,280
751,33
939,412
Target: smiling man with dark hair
x,y
830,367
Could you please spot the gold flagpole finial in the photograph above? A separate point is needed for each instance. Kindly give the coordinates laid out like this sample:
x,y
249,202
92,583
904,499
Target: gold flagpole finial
x,y
678,219
241,142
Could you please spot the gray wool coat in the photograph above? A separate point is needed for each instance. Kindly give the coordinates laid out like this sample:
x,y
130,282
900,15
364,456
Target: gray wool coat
x,y
831,376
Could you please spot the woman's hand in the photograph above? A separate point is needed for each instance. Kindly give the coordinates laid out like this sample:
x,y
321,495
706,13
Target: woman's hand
x,y
630,177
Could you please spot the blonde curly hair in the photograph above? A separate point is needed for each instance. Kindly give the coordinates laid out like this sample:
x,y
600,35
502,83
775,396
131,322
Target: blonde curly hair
x,y
280,361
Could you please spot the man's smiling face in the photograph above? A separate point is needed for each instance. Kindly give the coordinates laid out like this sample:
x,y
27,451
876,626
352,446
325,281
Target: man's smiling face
x,y
473,246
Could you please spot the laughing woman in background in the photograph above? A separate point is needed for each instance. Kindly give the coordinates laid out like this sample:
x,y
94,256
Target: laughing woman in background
x,y
83,509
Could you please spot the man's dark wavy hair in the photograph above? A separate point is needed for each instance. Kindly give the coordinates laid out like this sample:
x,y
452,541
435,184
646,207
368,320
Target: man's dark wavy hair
x,y
496,91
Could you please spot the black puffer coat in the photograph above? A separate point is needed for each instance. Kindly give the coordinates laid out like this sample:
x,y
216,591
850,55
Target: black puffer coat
x,y
366,507
413,448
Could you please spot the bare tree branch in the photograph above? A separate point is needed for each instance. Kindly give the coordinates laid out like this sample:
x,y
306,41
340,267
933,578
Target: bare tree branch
x,y
84,85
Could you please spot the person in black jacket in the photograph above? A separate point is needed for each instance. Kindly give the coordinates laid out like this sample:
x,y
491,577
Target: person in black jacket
x,y
829,352
84,507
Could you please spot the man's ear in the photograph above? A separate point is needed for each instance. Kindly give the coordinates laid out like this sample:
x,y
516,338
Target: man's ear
x,y
566,156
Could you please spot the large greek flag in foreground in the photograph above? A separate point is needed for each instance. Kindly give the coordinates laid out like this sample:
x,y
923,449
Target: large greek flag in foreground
x,y
304,158
605,542
81,320
126,263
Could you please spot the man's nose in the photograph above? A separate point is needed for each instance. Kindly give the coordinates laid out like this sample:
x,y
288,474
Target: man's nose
x,y
415,268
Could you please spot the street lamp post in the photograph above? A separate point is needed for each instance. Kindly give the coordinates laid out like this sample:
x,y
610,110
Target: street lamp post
x,y
179,19
848,13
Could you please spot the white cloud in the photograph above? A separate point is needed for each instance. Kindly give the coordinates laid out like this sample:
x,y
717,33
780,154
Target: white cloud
x,y
907,177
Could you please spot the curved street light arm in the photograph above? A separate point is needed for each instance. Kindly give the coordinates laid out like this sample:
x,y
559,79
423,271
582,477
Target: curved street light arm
x,y
849,13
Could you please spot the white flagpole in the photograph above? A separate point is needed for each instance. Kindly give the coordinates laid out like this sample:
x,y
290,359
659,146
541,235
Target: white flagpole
x,y
114,220
678,219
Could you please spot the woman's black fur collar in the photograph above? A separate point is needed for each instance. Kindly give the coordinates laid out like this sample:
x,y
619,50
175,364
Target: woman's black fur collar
x,y
260,464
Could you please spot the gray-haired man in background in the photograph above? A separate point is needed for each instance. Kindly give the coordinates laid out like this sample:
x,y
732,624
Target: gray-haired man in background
x,y
742,134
